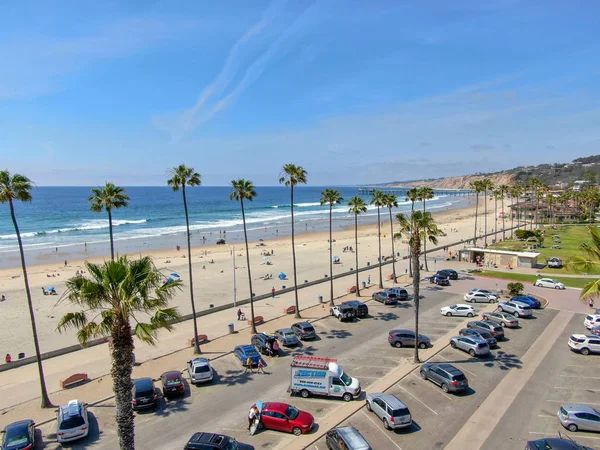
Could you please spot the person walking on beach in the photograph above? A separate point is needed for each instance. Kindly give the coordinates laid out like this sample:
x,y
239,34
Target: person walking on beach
x,y
369,279
261,366
273,292
8,358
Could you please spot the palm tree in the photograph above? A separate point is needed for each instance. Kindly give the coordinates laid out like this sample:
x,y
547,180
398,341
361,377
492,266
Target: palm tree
x,y
391,201
419,226
244,190
487,185
413,195
182,176
588,261
331,197
18,188
291,176
495,196
378,199
504,191
515,192
534,184
357,206
110,197
115,294
551,201
426,193
476,187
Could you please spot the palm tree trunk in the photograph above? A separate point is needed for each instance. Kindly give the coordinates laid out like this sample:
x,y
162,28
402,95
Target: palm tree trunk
x,y
253,326
110,232
485,220
416,286
379,239
121,348
356,251
298,316
393,250
424,244
44,392
330,256
503,220
476,212
189,249
496,219
412,210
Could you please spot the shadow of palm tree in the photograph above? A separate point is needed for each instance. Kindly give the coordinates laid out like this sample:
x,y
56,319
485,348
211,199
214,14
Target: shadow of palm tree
x,y
233,377
336,334
386,317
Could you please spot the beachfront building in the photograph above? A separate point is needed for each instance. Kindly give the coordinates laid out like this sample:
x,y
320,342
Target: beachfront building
x,y
525,211
499,258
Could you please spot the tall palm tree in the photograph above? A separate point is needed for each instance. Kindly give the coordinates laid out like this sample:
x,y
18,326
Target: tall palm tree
x,y
425,193
110,197
378,199
515,193
551,201
113,295
476,187
291,176
244,190
413,195
496,196
357,206
331,197
534,184
487,185
504,191
18,188
182,176
391,201
419,226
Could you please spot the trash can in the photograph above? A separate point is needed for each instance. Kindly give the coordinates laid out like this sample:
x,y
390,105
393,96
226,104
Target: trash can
x,y
231,328
364,283
320,299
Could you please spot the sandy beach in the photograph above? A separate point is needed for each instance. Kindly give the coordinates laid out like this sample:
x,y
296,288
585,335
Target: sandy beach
x,y
213,281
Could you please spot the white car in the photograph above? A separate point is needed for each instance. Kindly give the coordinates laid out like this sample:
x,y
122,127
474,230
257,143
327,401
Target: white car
x,y
72,421
549,283
458,310
480,297
591,320
555,262
584,344
200,371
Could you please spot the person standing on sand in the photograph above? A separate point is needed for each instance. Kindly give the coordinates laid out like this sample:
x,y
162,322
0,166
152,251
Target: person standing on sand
x,y
8,358
66,263
272,292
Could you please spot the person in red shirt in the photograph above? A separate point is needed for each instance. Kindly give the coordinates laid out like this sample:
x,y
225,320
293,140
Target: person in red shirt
x,y
273,292
8,358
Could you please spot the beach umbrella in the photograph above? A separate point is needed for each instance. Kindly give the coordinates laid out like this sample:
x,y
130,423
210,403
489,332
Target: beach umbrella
x,y
51,288
334,257
175,275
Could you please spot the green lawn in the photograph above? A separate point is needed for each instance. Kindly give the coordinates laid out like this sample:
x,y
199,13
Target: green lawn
x,y
567,281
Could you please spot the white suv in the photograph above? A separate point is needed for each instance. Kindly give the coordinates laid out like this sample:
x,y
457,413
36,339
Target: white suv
x,y
199,370
72,421
584,344
549,283
591,320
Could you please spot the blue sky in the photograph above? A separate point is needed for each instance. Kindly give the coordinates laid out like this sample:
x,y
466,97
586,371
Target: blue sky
x,y
356,92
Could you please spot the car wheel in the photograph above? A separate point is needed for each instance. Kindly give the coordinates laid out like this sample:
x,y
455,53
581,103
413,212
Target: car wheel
x,y
398,344
347,397
585,351
445,387
452,344
470,315
448,314
297,431
500,309
386,425
572,427
491,300
557,287
472,352
503,324
516,314
423,375
485,317
340,318
369,406
422,345
304,393
261,426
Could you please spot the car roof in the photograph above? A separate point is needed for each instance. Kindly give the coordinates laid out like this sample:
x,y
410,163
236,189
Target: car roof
x,y
275,406
200,361
143,383
400,330
555,444
463,305
579,408
446,367
393,401
246,348
353,437
19,426
285,330
171,375
302,324
201,437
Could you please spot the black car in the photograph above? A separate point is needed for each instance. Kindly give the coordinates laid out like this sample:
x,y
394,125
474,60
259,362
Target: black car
x,y
439,280
448,273
19,435
360,309
261,340
386,298
554,444
304,330
210,441
143,394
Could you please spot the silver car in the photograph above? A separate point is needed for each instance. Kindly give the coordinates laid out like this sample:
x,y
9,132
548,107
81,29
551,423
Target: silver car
x,y
483,334
393,413
287,337
517,309
474,346
504,319
579,417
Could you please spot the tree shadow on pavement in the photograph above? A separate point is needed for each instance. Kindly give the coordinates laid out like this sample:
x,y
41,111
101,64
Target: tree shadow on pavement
x,y
503,360
303,350
233,377
336,334
386,317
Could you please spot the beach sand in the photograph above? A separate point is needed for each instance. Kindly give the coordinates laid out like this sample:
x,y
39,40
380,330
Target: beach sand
x,y
213,282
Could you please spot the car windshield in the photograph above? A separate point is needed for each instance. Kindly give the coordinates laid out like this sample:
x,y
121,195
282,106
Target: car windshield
x,y
292,412
172,381
400,412
16,436
346,379
485,335
71,422
144,393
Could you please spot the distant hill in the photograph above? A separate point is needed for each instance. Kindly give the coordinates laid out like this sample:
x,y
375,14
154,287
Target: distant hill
x,y
560,175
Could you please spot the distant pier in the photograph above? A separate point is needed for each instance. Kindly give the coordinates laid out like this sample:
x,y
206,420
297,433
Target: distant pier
x,y
400,191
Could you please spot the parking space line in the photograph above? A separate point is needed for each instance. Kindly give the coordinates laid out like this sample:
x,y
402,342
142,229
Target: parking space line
x,y
418,400
546,415
433,387
566,402
576,389
580,376
462,368
384,434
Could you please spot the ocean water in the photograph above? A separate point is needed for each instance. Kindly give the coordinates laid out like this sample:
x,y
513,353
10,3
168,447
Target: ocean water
x,y
60,217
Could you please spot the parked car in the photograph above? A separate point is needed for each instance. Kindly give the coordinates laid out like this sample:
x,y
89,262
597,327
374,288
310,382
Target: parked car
x,y
172,384
143,394
485,291
474,346
243,352
287,337
360,309
483,334
72,421
209,441
401,294
579,417
591,321
263,343
439,280
448,273
480,297
200,370
493,328
517,309
342,312
406,338
549,283
584,344
390,410
386,298
346,438
304,330
504,319
458,310
19,435
555,262
283,417
528,300
554,444
448,377
596,330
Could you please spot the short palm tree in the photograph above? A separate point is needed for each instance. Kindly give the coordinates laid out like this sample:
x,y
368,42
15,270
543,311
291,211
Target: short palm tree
x,y
391,201
331,197
18,188
587,261
487,185
244,190
413,195
425,193
108,299
182,176
378,199
504,191
109,197
419,226
477,188
357,206
551,201
291,176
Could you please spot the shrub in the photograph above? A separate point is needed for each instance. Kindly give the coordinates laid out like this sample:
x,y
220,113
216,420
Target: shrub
x,y
515,288
526,234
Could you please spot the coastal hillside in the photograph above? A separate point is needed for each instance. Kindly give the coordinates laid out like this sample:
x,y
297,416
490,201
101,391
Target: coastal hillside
x,y
559,174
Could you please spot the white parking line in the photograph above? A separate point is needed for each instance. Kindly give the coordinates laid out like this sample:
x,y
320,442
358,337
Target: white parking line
x,y
576,389
462,368
579,435
418,400
580,376
566,401
546,415
384,434
433,387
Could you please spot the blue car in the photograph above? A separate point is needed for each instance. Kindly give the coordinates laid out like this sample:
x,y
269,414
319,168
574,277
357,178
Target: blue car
x,y
243,352
528,300
19,435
